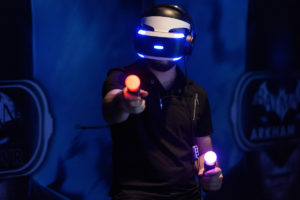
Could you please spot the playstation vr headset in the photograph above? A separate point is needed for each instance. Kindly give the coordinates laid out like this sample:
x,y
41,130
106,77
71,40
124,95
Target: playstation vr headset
x,y
165,32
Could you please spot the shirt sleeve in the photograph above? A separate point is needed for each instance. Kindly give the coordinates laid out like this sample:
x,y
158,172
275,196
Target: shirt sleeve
x,y
204,123
115,80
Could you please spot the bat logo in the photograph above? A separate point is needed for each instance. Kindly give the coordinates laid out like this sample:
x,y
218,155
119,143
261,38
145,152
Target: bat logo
x,y
8,114
7,109
280,103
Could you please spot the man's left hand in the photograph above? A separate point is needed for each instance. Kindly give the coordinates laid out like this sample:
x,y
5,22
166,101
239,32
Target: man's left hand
x,y
211,180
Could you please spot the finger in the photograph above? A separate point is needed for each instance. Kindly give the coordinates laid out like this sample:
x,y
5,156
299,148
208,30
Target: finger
x,y
138,109
196,165
201,171
213,172
214,187
211,181
216,178
135,102
142,107
221,176
144,93
130,95
207,180
211,185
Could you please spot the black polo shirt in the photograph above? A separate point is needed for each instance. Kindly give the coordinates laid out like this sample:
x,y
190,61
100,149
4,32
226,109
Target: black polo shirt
x,y
152,151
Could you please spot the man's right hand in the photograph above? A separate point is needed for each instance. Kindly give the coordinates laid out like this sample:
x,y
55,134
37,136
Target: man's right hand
x,y
118,104
132,103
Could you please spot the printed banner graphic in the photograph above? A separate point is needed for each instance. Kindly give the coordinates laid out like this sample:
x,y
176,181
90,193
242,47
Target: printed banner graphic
x,y
266,110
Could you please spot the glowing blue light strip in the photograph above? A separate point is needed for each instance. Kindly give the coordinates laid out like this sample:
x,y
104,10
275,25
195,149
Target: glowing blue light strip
x,y
168,35
158,58
178,35
178,58
158,47
142,32
141,55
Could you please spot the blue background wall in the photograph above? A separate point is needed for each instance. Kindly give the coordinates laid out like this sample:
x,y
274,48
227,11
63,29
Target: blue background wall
x,y
76,42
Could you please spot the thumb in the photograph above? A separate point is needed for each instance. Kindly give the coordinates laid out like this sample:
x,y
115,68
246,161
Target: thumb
x,y
143,93
201,171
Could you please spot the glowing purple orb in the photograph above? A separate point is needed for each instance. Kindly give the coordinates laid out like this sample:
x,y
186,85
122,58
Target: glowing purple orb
x,y
210,158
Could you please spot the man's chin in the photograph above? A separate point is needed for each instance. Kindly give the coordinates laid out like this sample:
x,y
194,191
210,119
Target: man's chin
x,y
161,62
161,65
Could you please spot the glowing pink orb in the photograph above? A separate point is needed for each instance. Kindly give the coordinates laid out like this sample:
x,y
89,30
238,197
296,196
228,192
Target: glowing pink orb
x,y
210,158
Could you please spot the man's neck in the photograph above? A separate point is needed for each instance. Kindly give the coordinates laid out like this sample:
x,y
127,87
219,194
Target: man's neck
x,y
166,78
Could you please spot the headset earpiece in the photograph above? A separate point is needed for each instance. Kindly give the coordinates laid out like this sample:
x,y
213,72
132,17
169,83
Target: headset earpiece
x,y
189,40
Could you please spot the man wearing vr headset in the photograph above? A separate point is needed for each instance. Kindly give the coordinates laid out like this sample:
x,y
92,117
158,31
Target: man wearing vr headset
x,y
153,131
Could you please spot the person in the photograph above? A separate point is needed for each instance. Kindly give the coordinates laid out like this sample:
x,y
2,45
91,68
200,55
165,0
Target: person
x,y
153,132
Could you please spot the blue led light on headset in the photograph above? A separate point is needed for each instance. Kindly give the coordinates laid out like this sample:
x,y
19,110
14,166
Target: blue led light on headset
x,y
173,59
158,47
174,35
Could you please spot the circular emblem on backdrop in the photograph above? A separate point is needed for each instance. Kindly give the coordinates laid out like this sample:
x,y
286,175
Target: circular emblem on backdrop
x,y
25,127
266,110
